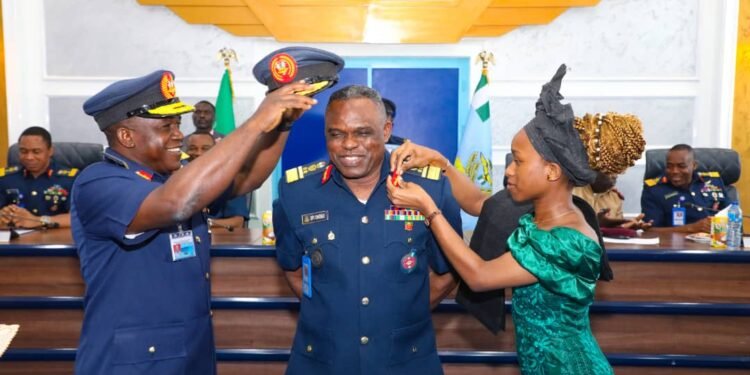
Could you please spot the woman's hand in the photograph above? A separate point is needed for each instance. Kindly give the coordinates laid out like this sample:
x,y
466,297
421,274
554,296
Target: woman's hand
x,y
411,155
409,195
283,104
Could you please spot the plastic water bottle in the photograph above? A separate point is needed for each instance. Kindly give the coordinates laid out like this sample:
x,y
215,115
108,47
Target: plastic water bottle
x,y
734,227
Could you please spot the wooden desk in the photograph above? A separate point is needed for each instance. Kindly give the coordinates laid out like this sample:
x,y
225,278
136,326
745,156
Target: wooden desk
x,y
643,311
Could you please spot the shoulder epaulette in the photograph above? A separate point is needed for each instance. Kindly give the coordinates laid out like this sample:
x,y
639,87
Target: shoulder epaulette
x,y
9,170
711,174
301,172
67,172
429,172
651,181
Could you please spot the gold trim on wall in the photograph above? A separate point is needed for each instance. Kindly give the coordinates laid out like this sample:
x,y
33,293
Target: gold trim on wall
x,y
741,119
3,99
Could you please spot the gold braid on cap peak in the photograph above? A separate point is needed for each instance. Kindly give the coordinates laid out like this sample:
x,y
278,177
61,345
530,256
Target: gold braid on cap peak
x,y
613,141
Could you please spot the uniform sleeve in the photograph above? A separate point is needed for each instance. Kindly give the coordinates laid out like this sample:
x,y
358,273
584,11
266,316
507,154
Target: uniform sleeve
x,y
651,208
106,206
288,247
69,187
567,264
450,209
3,198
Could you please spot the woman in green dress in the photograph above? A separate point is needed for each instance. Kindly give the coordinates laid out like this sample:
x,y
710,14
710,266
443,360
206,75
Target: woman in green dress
x,y
554,261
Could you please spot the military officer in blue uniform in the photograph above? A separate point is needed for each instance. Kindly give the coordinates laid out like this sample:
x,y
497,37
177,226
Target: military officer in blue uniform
x,y
138,223
226,214
366,272
37,193
682,200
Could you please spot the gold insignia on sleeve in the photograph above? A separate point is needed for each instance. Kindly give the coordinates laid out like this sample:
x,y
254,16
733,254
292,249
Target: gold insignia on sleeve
x,y
301,172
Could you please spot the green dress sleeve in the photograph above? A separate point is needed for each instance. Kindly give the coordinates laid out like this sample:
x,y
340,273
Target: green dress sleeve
x,y
565,261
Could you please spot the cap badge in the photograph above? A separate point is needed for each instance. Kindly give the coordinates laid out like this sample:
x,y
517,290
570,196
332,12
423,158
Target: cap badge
x,y
167,86
283,68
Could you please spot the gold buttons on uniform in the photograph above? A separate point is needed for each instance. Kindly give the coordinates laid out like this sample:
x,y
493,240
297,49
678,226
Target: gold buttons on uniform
x,y
207,275
408,240
365,260
365,301
308,349
364,340
33,193
365,220
314,241
152,349
413,349
197,239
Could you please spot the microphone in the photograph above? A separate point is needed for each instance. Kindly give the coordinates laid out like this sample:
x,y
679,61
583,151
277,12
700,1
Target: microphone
x,y
709,209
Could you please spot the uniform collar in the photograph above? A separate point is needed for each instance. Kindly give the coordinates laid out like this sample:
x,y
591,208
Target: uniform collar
x,y
50,170
143,171
385,170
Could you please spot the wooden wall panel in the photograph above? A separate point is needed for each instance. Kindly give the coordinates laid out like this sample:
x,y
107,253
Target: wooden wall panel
x,y
741,119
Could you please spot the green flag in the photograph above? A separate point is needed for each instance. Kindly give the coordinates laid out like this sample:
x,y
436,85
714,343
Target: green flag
x,y
474,156
224,105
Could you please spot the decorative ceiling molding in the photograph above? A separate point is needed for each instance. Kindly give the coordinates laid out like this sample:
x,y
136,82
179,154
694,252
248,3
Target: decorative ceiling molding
x,y
369,21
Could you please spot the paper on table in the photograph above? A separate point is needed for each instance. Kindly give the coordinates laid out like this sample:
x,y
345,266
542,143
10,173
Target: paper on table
x,y
633,240
5,234
7,332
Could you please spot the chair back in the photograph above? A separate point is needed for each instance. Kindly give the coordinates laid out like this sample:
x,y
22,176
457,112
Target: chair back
x,y
67,154
723,160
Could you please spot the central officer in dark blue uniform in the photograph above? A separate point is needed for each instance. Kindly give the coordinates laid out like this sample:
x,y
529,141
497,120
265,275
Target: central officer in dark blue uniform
x,y
361,267
683,200
140,231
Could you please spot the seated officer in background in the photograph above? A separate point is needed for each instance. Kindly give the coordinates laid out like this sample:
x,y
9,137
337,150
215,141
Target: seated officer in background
x,y
683,199
613,143
226,214
366,272
37,193
138,223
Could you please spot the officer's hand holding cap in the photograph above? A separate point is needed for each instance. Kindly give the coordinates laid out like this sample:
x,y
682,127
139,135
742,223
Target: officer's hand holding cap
x,y
153,96
315,66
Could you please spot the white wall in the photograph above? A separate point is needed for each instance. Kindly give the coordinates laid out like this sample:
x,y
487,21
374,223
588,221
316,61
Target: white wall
x,y
668,61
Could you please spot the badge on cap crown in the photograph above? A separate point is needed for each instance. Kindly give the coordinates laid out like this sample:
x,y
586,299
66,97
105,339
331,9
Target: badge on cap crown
x,y
283,68
168,88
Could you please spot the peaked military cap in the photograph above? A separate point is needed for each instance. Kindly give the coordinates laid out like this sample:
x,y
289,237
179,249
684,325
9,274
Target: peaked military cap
x,y
315,66
153,96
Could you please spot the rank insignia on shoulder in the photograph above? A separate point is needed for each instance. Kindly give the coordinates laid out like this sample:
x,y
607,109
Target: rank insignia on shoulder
x,y
429,172
712,174
67,172
9,170
144,175
652,181
298,173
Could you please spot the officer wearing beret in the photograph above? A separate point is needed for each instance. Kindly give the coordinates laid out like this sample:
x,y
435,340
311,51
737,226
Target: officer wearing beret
x,y
683,199
141,233
35,194
366,272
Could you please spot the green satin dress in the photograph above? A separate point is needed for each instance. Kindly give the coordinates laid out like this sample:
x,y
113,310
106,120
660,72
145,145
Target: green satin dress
x,y
551,317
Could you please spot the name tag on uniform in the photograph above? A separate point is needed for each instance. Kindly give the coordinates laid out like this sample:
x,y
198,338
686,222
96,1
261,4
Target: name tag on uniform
x,y
306,276
182,245
678,216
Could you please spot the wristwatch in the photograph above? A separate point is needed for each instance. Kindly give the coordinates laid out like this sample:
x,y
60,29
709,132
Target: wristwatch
x,y
46,221
431,216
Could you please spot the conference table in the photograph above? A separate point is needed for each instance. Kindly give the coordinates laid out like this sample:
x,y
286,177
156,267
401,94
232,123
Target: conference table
x,y
678,306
